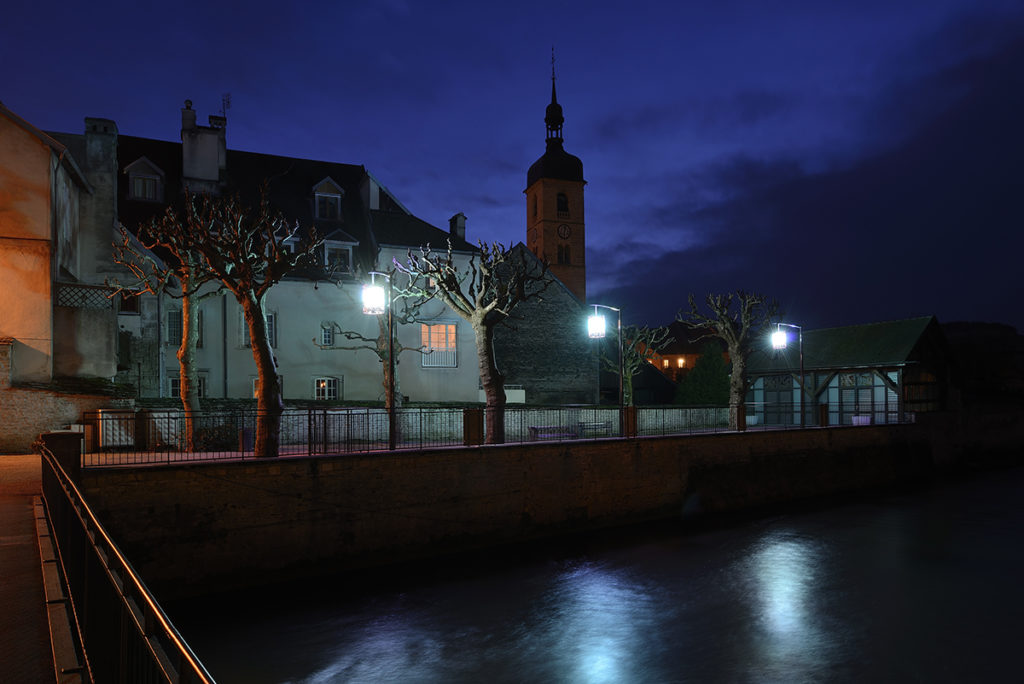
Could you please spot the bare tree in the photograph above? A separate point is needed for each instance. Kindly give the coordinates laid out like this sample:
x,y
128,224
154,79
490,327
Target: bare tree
x,y
639,346
405,314
739,319
182,279
244,250
483,293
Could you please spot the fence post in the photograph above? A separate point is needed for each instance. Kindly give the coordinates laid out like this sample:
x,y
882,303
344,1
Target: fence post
x,y
472,426
66,446
629,421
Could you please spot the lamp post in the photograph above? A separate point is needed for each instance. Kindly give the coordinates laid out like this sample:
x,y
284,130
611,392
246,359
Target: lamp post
x,y
375,302
596,329
779,342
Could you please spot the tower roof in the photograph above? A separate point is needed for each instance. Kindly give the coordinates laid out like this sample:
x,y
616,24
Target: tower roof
x,y
556,162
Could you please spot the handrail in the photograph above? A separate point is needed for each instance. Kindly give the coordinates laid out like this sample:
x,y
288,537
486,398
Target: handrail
x,y
129,590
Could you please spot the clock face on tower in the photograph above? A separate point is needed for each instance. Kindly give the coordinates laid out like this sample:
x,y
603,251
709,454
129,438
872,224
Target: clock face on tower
x,y
564,231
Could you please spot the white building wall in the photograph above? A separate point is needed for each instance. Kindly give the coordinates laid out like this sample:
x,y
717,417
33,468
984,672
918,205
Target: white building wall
x,y
299,309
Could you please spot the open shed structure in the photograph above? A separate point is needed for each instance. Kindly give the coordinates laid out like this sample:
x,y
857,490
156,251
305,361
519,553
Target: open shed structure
x,y
859,374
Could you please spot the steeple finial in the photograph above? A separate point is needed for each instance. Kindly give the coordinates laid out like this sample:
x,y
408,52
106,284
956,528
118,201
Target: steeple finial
x,y
553,115
554,99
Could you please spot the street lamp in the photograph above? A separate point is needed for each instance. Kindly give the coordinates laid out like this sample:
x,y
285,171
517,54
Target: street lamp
x,y
779,342
596,329
375,301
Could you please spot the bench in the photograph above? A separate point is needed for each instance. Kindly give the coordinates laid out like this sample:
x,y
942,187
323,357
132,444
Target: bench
x,y
596,428
550,432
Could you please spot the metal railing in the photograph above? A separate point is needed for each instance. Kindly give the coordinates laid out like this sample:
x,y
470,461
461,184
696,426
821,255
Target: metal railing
x,y
125,636
124,437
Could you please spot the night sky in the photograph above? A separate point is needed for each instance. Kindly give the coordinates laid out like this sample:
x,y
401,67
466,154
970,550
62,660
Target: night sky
x,y
859,161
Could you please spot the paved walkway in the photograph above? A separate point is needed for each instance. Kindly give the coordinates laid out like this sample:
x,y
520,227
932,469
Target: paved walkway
x,y
25,654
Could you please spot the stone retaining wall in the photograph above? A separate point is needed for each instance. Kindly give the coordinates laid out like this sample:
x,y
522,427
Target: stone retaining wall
x,y
194,527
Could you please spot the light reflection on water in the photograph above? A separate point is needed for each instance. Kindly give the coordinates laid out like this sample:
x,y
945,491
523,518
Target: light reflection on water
x,y
592,623
586,625
919,587
783,573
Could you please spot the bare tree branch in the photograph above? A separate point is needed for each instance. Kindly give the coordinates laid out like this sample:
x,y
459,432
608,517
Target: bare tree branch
x,y
484,293
242,250
740,319
639,346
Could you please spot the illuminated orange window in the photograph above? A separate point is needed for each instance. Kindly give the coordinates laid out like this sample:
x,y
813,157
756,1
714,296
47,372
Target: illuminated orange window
x,y
439,343
682,361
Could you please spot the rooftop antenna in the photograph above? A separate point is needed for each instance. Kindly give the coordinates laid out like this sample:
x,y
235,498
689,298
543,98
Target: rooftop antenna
x,y
225,104
552,64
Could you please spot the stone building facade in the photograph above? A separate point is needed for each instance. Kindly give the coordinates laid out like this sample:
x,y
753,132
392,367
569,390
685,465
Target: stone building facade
x,y
64,196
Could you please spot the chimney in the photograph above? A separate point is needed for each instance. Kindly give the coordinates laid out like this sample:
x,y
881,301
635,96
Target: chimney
x,y
188,117
100,144
457,226
203,151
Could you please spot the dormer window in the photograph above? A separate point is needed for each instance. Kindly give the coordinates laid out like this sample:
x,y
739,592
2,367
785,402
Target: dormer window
x,y
327,197
144,188
145,181
328,207
338,257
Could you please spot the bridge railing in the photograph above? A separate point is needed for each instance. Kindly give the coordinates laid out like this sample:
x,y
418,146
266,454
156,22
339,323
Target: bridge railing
x,y
124,634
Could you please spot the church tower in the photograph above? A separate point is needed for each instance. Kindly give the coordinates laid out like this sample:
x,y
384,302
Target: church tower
x,y
554,206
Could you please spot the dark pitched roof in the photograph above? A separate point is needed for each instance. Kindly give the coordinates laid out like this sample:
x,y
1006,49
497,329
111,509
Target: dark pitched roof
x,y
290,182
871,345
536,265
166,156
405,230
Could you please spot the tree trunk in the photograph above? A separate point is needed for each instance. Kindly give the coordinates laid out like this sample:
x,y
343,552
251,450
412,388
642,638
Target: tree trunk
x,y
187,373
493,383
269,403
737,387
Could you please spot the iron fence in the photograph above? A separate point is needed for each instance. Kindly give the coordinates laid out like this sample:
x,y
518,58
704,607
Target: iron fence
x,y
125,437
124,634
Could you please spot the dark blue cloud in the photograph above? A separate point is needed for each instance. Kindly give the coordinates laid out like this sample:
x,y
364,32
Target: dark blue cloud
x,y
931,223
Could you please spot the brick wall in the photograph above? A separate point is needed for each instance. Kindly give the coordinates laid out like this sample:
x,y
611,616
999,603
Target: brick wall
x,y
6,351
545,348
27,412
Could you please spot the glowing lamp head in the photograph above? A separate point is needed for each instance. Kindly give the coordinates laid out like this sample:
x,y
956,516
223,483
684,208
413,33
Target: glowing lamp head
x,y
779,339
595,325
374,299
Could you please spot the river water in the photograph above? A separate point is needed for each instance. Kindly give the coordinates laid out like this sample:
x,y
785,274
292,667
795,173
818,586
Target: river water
x,y
919,586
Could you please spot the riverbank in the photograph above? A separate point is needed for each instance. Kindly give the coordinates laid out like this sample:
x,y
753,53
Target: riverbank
x,y
194,528
914,583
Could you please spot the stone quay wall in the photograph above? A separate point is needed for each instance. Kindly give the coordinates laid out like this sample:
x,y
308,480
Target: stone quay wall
x,y
193,528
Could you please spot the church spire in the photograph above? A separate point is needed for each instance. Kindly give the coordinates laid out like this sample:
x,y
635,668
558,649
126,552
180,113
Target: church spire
x,y
553,114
